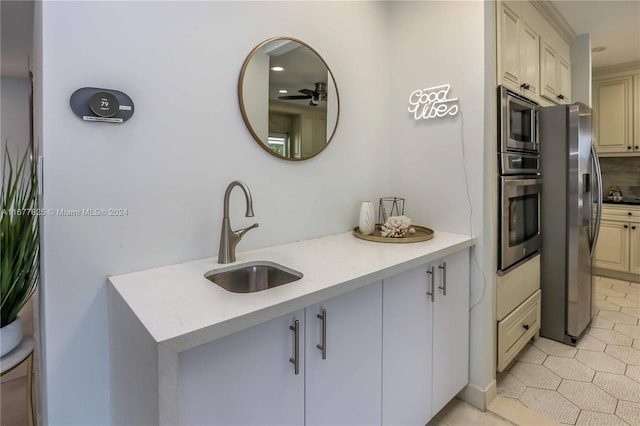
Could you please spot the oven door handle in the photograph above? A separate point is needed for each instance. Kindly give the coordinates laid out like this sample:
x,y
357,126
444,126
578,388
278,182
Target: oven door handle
x,y
596,230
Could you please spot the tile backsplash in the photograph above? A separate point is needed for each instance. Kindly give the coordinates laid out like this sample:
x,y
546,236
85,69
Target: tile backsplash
x,y
621,171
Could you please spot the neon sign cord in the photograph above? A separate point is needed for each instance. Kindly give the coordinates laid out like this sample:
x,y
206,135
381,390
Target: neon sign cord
x,y
466,181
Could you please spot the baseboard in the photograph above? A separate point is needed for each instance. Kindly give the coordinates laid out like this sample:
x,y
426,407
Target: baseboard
x,y
624,276
515,412
478,397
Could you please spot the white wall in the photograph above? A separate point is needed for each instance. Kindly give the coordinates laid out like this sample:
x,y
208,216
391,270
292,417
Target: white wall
x,y
14,126
437,164
581,69
170,164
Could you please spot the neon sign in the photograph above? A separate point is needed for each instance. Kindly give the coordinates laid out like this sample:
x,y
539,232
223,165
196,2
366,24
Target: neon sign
x,y
432,102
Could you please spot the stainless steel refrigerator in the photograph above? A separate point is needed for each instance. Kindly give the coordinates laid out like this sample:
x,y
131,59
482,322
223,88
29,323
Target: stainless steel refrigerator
x,y
571,207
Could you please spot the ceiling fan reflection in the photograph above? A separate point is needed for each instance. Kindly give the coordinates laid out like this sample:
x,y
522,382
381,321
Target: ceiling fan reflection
x,y
314,96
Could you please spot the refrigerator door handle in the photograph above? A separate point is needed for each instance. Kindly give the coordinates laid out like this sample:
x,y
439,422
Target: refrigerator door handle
x,y
596,231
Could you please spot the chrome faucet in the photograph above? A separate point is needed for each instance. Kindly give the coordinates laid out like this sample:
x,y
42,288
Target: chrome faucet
x,y
228,238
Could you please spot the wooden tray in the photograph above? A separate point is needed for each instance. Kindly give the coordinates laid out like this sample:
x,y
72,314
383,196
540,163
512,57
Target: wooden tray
x,y
421,234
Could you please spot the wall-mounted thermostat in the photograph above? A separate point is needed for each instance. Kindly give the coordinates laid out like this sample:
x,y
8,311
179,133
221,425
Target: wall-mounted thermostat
x,y
107,105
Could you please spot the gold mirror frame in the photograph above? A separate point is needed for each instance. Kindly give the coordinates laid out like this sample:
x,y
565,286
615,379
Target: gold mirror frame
x,y
243,110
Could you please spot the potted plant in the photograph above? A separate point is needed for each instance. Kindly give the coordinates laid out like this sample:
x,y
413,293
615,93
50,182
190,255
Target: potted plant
x,y
19,245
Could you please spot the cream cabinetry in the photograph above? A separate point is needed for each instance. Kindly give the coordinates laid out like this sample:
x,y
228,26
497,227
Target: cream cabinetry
x,y
532,57
517,328
518,309
634,248
618,247
519,46
612,250
636,116
555,74
613,115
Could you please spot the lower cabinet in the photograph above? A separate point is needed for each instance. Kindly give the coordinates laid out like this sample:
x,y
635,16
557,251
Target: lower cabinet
x,y
407,356
387,353
343,359
249,377
425,339
612,249
618,247
634,249
244,378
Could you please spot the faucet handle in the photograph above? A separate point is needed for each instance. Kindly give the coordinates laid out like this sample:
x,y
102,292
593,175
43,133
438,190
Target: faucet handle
x,y
243,231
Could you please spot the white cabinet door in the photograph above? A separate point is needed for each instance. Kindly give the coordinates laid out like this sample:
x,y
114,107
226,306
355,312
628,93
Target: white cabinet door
x,y
510,47
564,81
612,249
613,109
450,329
345,387
634,249
406,350
636,116
548,71
530,60
245,378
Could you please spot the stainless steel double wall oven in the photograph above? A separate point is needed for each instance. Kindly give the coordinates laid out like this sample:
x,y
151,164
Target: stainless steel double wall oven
x,y
519,181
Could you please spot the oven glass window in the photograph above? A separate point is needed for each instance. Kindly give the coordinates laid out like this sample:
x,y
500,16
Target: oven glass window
x,y
523,218
520,119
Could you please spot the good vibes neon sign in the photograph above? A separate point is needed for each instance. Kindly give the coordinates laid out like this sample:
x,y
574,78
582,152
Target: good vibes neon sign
x,y
432,102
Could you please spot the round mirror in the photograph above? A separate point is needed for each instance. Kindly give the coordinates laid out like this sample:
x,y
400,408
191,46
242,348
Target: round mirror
x,y
288,99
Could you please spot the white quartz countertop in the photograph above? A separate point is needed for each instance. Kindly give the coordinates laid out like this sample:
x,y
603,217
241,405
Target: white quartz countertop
x,y
181,309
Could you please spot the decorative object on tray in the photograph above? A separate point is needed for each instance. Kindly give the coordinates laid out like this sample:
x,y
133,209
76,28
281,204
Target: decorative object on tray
x,y
421,234
614,193
390,206
367,222
397,227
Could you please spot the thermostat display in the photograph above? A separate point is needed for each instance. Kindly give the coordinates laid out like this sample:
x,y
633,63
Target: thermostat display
x,y
104,104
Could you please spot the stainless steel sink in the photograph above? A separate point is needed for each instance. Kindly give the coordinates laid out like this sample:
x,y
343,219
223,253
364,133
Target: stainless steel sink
x,y
252,277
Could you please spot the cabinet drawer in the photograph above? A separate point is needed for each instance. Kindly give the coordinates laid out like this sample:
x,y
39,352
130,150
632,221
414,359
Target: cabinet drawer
x,y
515,330
628,213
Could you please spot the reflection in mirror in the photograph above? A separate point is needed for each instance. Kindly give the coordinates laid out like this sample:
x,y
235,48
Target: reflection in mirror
x,y
288,99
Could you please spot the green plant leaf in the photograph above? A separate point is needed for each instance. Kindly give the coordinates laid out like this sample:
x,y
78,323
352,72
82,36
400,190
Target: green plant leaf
x,y
19,236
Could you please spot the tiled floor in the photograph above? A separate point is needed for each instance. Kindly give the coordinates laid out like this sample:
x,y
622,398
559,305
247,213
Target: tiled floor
x,y
595,383
459,413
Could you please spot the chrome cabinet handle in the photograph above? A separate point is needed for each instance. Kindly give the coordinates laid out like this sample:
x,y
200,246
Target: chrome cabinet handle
x,y
296,346
443,287
322,316
430,293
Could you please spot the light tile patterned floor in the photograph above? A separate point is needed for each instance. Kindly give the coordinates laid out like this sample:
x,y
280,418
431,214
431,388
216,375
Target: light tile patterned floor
x,y
598,381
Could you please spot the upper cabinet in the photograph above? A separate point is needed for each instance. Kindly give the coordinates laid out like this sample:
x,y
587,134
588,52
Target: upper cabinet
x,y
532,56
613,110
519,45
555,74
616,95
636,108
